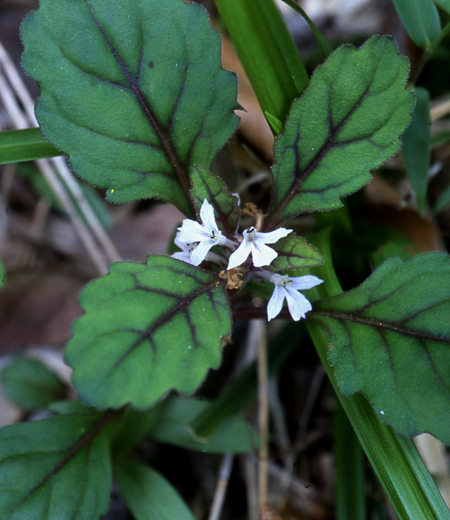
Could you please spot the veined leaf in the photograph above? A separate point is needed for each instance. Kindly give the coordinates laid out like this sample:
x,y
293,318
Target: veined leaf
x,y
206,185
133,92
421,20
148,494
294,252
416,147
347,122
25,145
56,468
390,339
174,416
148,328
30,384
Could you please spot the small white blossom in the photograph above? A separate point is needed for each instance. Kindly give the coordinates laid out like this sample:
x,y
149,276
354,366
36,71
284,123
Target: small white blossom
x,y
254,243
288,288
205,235
186,250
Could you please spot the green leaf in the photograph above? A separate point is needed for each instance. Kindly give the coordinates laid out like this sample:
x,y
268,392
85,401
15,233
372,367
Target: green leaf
x,y
25,145
443,201
56,468
30,384
133,92
148,494
148,328
443,4
347,123
421,20
324,46
294,252
176,414
389,338
206,185
2,274
274,122
267,52
416,146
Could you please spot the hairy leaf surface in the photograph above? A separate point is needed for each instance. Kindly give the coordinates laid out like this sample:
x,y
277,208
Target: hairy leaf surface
x,y
207,185
390,339
294,252
347,123
56,468
133,92
148,328
148,494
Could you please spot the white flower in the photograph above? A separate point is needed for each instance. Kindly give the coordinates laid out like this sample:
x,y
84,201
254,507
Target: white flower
x,y
206,235
254,243
186,250
286,287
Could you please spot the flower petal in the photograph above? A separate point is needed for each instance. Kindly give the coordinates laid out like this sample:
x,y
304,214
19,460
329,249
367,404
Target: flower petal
x,y
262,254
184,256
273,236
276,302
297,303
300,283
240,255
207,216
200,252
191,231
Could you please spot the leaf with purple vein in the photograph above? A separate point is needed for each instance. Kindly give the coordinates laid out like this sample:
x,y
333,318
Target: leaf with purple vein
x,y
390,339
348,121
133,92
147,329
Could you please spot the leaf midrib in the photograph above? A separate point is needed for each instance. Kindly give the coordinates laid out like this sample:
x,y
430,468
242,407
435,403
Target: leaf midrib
x,y
165,141
87,439
379,324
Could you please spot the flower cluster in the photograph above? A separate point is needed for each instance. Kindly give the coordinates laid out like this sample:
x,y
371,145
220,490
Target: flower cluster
x,y
196,241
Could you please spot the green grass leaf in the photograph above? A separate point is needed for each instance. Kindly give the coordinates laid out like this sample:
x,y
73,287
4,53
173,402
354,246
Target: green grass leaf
x,y
416,147
133,92
176,413
30,384
421,20
347,123
56,468
148,494
389,338
25,145
148,328
207,185
294,252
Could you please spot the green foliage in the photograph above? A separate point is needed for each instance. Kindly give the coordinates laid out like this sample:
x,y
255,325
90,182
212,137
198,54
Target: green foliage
x,y
389,338
206,185
416,147
132,113
324,46
56,468
24,145
421,20
147,329
294,252
347,123
175,415
267,52
30,384
148,494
